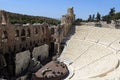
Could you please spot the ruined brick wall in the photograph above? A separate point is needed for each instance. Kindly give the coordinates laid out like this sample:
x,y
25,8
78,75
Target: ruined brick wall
x,y
21,38
68,20
16,39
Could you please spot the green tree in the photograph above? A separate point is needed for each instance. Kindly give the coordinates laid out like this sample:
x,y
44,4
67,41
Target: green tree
x,y
98,17
93,17
111,16
116,16
78,20
112,12
23,19
90,18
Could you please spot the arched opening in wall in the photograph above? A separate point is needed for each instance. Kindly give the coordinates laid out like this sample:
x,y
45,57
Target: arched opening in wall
x,y
17,33
52,31
51,50
23,32
4,36
28,32
36,31
42,30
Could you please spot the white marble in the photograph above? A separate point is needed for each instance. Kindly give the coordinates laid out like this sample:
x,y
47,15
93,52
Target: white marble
x,y
93,53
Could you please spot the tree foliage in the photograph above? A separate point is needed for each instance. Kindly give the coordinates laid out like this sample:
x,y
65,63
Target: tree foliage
x,y
112,12
23,19
93,17
98,17
90,18
107,18
78,20
111,16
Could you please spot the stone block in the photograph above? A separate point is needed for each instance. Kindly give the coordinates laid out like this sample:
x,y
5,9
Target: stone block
x,y
41,51
22,61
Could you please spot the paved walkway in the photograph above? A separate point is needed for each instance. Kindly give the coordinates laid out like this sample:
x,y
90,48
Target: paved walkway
x,y
92,53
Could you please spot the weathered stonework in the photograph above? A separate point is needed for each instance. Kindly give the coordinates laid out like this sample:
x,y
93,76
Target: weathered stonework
x,y
41,52
24,45
22,64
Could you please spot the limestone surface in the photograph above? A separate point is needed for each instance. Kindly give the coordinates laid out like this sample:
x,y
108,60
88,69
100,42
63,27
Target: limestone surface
x,y
92,53
22,64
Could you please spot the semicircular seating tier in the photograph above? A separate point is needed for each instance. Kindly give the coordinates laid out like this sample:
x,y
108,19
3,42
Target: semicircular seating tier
x,y
92,53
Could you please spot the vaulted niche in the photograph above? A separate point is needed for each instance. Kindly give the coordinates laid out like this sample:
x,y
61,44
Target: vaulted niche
x,y
23,32
36,31
17,34
23,37
28,32
4,36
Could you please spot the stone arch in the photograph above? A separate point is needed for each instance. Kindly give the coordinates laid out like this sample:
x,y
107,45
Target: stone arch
x,y
28,32
52,31
36,31
4,35
43,30
17,34
23,32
